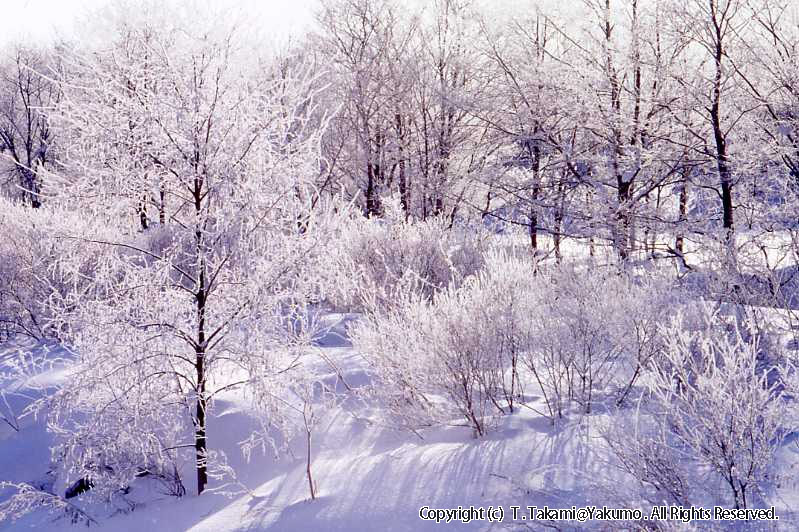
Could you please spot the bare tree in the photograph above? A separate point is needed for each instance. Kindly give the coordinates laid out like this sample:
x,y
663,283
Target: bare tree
x,y
26,137
239,154
715,28
362,39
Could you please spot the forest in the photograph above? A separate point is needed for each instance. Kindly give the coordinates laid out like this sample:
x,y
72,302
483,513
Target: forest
x,y
431,254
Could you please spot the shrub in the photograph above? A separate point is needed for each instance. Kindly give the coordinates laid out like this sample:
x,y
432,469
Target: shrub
x,y
455,356
375,261
592,334
472,350
715,408
29,273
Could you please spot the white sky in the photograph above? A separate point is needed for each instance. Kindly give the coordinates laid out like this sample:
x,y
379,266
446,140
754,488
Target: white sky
x,y
38,20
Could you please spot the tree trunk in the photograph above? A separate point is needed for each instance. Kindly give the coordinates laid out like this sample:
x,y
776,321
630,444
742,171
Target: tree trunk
x,y
536,155
371,201
556,236
29,185
722,162
623,219
374,177
200,441
308,464
201,297
680,244
161,203
141,210
404,188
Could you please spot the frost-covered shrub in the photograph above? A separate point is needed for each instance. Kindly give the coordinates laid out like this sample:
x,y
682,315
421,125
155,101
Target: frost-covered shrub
x,y
103,453
23,258
456,356
31,248
646,450
714,414
592,334
23,498
373,261
721,402
579,337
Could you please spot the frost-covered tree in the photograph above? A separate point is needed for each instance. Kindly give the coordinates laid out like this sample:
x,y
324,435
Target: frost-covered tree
x,y
205,302
715,29
26,138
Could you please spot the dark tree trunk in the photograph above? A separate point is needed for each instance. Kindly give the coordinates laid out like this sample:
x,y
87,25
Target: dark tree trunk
x,y
372,203
161,203
623,219
374,177
201,297
404,188
536,163
556,235
680,243
32,187
141,210
200,438
725,175
439,204
722,162
27,181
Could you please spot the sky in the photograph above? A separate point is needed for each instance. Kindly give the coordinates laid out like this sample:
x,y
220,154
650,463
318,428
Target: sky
x,y
41,20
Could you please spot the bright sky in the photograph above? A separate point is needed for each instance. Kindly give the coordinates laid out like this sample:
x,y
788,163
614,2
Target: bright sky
x,y
42,19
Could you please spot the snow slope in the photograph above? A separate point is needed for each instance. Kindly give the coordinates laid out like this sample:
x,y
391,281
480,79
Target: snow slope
x,y
369,476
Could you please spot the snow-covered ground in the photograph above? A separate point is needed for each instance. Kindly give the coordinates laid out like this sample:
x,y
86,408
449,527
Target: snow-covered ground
x,y
369,476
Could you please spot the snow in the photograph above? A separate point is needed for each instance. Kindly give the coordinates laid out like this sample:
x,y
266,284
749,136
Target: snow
x,y
369,476
243,313
26,449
